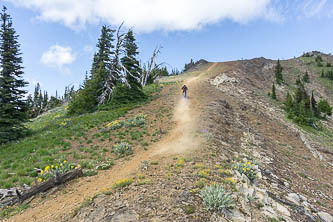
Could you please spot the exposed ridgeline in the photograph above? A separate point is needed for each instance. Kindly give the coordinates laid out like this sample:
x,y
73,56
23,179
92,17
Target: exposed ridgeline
x,y
256,164
191,66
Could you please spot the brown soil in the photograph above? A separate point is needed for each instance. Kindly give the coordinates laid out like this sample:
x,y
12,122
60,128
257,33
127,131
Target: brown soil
x,y
214,126
179,140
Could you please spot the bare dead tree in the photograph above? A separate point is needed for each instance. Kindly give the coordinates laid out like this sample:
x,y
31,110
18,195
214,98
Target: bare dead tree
x,y
115,73
118,72
148,70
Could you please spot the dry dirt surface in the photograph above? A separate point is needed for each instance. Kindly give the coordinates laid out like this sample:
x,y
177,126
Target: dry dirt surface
x,y
181,139
227,119
237,122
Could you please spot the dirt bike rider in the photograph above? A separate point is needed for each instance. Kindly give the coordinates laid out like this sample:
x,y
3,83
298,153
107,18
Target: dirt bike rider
x,y
184,88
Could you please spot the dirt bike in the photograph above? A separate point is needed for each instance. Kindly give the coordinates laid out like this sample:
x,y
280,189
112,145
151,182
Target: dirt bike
x,y
185,94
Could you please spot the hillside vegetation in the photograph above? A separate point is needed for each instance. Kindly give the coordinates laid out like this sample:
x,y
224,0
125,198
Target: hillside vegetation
x,y
229,152
55,137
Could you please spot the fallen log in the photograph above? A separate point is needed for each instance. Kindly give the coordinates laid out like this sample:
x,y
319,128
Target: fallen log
x,y
43,187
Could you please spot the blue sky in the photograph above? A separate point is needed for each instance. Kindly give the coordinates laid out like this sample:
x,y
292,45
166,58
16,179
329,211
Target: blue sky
x,y
58,37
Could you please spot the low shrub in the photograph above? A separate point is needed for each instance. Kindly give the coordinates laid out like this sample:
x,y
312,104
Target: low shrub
x,y
204,173
215,198
122,149
115,124
51,170
139,120
105,166
246,168
224,172
324,107
121,184
180,162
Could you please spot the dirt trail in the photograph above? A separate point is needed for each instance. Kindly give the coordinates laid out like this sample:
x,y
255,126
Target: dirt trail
x,y
181,139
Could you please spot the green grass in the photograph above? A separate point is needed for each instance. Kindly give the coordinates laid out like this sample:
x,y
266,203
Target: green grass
x,y
121,184
10,211
50,139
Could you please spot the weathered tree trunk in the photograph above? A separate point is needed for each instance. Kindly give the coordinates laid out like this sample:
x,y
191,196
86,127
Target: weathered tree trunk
x,y
45,186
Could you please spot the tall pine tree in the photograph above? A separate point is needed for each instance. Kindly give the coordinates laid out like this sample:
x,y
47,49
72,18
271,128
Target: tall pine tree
x,y
314,105
86,100
45,100
13,107
306,77
130,61
278,73
273,92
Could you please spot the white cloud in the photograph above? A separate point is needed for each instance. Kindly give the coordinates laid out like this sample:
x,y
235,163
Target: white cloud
x,y
304,9
58,56
150,15
313,8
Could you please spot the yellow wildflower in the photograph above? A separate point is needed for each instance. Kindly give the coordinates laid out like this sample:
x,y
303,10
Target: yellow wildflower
x,y
244,169
230,180
51,166
41,172
40,179
65,161
47,168
249,163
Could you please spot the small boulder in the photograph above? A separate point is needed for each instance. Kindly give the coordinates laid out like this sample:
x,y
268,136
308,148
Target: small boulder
x,y
127,215
325,217
281,209
294,198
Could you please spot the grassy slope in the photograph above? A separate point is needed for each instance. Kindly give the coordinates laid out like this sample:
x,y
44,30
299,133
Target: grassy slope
x,y
292,70
53,135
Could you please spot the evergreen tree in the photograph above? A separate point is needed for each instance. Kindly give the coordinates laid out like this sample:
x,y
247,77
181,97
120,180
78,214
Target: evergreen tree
x,y
314,105
288,103
13,107
175,72
303,108
301,117
105,47
330,75
306,77
30,105
300,93
130,61
318,59
298,81
273,92
278,73
36,96
54,102
45,100
86,99
324,107
40,102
